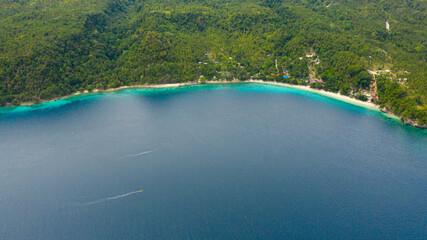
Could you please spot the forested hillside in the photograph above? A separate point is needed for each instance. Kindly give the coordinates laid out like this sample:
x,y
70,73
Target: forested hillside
x,y
52,48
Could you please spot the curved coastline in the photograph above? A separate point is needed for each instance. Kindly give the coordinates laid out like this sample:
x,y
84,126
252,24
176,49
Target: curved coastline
x,y
337,96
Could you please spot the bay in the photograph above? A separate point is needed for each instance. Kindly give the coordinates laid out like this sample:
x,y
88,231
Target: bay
x,y
237,161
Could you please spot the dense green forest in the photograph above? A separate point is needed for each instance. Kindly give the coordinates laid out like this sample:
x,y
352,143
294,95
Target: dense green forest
x,y
51,48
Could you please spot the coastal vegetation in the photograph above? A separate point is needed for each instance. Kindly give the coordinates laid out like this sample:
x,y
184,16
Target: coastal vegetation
x,y
54,48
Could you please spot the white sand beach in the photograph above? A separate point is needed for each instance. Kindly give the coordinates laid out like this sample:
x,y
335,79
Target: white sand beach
x,y
337,96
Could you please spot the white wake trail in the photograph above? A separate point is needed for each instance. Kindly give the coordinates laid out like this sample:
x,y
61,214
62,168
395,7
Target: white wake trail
x,y
121,196
139,154
109,198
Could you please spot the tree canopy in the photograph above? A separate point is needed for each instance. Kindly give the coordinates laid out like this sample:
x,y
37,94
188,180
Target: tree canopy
x,y
52,48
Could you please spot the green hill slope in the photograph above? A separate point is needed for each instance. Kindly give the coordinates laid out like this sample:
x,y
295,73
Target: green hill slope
x,y
54,48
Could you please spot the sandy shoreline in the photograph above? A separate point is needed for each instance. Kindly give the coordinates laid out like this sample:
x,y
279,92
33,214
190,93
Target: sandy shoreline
x,y
323,93
336,96
300,87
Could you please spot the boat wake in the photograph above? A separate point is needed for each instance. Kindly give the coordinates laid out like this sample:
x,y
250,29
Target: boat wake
x,y
107,199
138,154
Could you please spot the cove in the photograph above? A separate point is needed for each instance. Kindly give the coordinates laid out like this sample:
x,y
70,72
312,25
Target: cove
x,y
240,161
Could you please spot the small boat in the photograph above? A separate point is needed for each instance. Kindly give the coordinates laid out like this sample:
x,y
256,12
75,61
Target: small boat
x,y
141,190
388,117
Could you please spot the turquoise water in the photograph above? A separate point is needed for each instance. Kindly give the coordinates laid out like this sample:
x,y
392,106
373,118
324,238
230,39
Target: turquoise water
x,y
243,161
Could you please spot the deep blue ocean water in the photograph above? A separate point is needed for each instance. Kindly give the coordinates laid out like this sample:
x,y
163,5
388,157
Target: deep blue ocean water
x,y
242,161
